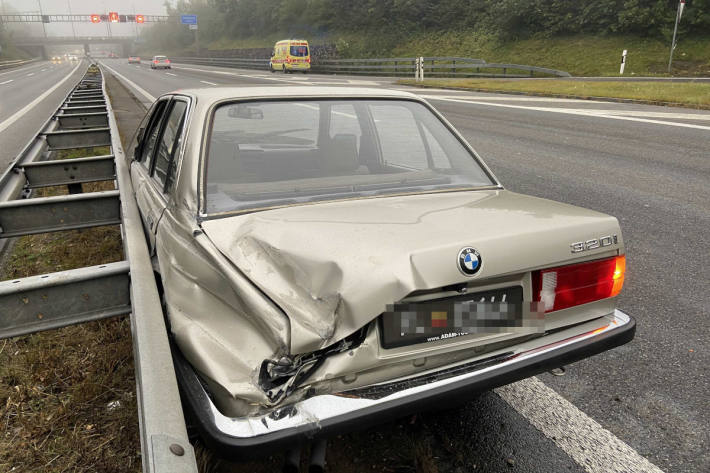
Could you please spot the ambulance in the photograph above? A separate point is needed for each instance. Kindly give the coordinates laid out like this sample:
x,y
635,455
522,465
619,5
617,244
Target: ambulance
x,y
291,55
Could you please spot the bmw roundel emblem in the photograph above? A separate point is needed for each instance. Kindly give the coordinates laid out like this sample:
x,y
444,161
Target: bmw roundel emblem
x,y
469,261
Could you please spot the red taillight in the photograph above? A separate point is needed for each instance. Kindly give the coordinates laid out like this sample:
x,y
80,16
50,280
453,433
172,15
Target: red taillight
x,y
167,61
155,62
288,59
308,60
568,286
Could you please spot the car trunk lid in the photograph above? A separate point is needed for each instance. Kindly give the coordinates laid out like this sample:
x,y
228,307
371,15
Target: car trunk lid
x,y
333,267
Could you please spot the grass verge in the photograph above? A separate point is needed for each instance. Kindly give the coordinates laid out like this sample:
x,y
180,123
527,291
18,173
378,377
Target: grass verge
x,y
68,396
696,95
580,55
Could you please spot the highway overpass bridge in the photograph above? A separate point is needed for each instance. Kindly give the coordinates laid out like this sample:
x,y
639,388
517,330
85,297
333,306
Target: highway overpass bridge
x,y
37,46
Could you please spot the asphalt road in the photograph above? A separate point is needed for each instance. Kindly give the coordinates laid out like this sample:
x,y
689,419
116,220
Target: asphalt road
x,y
650,167
28,96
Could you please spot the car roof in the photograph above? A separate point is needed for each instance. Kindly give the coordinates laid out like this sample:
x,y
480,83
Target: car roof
x,y
214,94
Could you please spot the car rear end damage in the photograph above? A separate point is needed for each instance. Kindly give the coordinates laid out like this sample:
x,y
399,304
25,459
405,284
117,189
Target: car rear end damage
x,y
326,414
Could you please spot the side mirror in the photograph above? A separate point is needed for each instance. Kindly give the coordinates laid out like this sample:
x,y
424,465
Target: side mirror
x,y
245,111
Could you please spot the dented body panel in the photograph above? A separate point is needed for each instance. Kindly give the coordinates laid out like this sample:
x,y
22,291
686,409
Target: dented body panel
x,y
279,306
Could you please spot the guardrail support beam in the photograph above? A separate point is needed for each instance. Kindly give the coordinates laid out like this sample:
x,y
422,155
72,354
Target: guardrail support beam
x,y
84,120
64,298
53,214
86,138
70,171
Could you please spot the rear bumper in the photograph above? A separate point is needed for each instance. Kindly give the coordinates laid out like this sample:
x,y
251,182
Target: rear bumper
x,y
324,415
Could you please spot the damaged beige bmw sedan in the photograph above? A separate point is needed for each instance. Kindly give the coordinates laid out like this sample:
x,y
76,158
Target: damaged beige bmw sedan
x,y
332,257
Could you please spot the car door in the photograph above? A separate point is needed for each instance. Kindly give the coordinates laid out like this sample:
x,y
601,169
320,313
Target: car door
x,y
155,171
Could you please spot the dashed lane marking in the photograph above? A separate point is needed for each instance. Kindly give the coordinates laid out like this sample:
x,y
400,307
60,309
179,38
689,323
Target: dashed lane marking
x,y
589,444
207,82
17,115
132,84
171,74
30,74
6,82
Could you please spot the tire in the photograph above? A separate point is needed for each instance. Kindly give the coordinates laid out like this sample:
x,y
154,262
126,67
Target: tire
x,y
271,68
284,69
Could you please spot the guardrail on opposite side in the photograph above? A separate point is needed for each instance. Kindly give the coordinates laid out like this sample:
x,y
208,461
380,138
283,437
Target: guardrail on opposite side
x,y
434,66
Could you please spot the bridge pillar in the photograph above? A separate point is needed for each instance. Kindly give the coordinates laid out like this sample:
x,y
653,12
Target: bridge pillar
x,y
87,49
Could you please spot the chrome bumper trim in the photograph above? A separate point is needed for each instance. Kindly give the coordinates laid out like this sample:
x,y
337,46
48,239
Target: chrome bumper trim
x,y
308,417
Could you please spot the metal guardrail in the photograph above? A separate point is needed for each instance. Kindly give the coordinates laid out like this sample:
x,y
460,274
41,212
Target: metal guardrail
x,y
434,66
16,63
55,300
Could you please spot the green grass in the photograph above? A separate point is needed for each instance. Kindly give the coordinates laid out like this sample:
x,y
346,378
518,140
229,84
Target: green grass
x,y
578,55
582,55
68,395
686,93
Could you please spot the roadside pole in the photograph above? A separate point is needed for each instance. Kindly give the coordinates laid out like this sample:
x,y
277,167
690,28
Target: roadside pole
x,y
191,22
678,14
623,62
197,38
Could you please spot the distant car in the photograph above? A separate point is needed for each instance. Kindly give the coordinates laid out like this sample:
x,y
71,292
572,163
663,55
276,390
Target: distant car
x,y
56,59
340,256
72,57
134,60
160,62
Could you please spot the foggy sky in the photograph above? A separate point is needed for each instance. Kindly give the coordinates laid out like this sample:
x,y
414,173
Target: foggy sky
x,y
84,7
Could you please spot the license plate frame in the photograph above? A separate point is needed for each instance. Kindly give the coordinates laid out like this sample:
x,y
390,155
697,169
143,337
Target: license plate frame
x,y
504,304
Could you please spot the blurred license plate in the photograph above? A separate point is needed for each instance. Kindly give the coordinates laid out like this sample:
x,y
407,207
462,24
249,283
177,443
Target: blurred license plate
x,y
494,311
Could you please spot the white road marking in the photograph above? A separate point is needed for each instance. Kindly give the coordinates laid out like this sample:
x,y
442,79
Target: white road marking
x,y
21,69
135,86
171,74
514,98
30,74
6,82
9,121
206,82
42,70
589,444
620,112
569,111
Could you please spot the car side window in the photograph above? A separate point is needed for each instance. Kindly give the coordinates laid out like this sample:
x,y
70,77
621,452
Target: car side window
x,y
150,137
164,171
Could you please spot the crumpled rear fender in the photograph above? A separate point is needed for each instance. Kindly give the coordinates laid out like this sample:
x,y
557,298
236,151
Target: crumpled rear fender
x,y
224,326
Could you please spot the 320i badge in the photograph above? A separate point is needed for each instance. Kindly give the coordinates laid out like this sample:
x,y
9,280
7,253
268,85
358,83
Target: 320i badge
x,y
333,257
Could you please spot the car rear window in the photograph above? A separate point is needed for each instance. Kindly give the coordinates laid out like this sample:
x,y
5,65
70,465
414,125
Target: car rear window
x,y
299,51
264,154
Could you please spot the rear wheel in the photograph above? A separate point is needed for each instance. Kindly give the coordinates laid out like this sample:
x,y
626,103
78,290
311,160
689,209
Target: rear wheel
x,y
271,68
